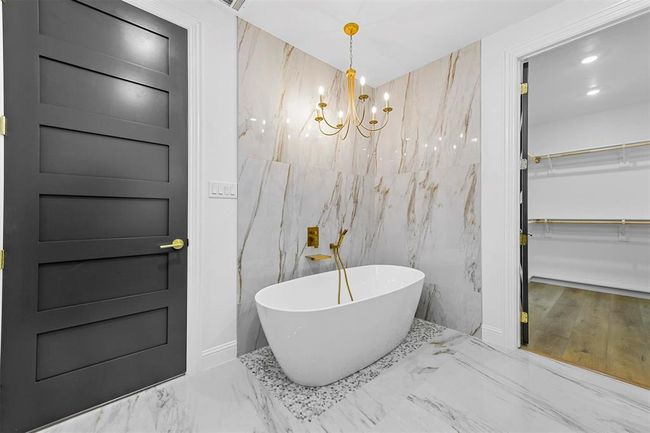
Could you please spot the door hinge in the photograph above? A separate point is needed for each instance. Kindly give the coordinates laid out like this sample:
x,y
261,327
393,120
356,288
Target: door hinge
x,y
524,88
3,125
523,317
523,164
523,239
2,259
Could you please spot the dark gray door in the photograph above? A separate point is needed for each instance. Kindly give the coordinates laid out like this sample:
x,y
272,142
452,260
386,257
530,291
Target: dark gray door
x,y
523,206
95,183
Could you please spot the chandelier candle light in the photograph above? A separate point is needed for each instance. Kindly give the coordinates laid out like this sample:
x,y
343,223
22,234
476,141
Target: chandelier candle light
x,y
346,120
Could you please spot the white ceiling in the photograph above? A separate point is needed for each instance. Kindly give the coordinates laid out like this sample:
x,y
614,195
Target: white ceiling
x,y
396,36
559,81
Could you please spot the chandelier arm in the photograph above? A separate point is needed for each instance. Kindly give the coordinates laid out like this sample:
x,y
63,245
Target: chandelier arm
x,y
328,124
362,133
327,133
363,115
347,129
375,129
384,123
351,99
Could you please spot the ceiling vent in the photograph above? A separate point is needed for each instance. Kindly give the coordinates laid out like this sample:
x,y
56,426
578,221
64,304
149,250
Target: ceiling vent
x,y
235,4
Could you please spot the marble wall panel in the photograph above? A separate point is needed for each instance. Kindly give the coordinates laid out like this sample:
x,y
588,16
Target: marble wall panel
x,y
278,95
428,186
436,121
409,196
277,202
429,220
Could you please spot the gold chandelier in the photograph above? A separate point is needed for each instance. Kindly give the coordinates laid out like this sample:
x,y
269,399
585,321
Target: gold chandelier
x,y
351,118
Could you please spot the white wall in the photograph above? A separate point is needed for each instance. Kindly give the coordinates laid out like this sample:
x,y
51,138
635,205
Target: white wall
x,y
500,75
609,185
591,186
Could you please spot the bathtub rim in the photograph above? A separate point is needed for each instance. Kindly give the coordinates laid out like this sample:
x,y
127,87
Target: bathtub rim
x,y
420,278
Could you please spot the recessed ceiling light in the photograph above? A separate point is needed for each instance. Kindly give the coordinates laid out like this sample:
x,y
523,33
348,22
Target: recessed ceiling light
x,y
589,59
593,92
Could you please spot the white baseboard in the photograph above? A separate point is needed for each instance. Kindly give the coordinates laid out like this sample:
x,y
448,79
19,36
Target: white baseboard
x,y
592,287
218,355
492,335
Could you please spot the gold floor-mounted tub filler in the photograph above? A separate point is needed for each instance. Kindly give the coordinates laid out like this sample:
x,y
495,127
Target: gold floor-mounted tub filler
x,y
351,118
312,241
340,266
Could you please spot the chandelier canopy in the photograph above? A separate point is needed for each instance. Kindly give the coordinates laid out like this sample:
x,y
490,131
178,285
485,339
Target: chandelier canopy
x,y
351,118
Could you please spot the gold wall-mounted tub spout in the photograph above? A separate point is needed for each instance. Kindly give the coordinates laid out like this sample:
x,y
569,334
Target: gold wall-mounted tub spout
x,y
318,257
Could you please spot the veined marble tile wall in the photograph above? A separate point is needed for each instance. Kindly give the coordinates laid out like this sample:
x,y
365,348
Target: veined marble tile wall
x,y
290,176
427,186
407,197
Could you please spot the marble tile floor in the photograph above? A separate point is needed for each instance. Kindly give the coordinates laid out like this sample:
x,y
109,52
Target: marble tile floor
x,y
307,402
457,383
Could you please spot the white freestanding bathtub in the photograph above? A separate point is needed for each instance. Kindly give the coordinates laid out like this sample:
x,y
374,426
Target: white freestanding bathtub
x,y
316,341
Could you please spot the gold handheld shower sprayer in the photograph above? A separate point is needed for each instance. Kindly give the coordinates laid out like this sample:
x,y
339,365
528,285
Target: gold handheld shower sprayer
x,y
339,264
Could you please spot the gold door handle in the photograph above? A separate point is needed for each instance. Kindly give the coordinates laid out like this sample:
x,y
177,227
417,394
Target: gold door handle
x,y
176,244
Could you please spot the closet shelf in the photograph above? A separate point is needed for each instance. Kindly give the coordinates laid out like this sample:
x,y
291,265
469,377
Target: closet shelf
x,y
586,221
538,158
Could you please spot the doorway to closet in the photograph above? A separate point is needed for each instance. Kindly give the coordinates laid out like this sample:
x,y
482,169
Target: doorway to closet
x,y
585,213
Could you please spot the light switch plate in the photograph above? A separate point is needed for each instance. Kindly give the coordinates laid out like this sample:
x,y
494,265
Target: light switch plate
x,y
222,190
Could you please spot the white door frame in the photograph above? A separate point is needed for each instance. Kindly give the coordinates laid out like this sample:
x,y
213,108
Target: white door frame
x,y
502,55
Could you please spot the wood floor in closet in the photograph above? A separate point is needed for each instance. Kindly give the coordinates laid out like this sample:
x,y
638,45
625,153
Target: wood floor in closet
x,y
599,331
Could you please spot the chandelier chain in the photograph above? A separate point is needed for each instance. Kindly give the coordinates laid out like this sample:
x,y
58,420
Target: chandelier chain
x,y
350,52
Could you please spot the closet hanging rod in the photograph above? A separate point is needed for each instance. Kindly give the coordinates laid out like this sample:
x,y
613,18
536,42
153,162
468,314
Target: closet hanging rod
x,y
538,158
581,221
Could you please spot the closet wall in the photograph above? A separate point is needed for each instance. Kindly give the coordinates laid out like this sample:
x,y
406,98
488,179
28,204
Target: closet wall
x,y
609,185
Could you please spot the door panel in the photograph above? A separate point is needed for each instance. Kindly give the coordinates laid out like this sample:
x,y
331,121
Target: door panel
x,y
86,90
63,151
98,342
70,217
77,282
95,182
73,22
